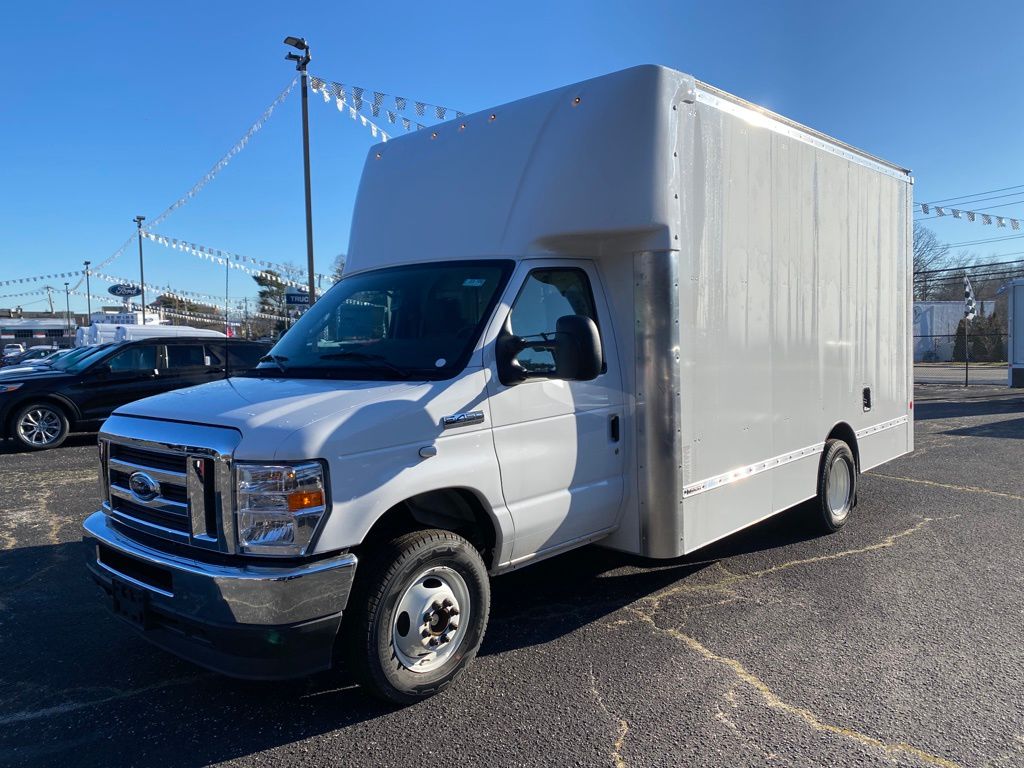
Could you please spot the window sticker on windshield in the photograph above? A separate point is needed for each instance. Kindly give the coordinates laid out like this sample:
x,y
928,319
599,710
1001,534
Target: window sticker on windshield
x,y
440,362
473,282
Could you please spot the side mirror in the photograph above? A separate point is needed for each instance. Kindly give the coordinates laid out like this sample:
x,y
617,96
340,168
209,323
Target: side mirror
x,y
577,350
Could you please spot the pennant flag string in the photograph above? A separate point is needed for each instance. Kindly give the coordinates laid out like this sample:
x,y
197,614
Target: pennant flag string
x,y
210,175
940,211
219,256
37,278
354,98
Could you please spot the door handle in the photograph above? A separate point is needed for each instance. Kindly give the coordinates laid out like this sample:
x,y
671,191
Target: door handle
x,y
613,427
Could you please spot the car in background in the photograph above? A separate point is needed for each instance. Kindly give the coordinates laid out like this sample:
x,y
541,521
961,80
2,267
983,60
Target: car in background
x,y
12,349
40,407
32,353
60,359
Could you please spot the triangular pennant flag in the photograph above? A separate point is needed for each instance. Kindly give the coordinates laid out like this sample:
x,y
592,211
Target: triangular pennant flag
x,y
986,219
406,123
939,211
357,97
392,117
400,103
459,114
924,208
956,214
440,112
378,99
1014,224
1000,221
970,215
420,107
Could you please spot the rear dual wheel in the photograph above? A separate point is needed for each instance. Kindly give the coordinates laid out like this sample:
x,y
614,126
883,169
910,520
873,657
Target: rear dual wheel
x,y
417,615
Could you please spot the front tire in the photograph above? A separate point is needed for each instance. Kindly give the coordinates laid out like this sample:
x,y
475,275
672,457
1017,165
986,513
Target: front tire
x,y
39,426
417,615
837,486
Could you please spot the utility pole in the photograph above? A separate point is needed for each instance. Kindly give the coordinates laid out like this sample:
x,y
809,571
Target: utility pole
x,y
301,62
88,293
142,275
67,305
227,273
49,296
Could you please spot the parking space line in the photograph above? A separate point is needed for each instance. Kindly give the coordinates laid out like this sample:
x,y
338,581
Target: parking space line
x,y
950,486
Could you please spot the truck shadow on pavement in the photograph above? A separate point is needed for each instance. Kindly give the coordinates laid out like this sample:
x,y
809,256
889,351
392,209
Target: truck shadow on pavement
x,y
962,408
80,686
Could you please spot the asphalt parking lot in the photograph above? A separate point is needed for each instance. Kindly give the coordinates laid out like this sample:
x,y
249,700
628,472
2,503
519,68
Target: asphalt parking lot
x,y
899,641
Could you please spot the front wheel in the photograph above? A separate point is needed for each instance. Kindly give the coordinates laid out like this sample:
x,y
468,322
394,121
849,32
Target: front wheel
x,y
40,425
837,486
418,615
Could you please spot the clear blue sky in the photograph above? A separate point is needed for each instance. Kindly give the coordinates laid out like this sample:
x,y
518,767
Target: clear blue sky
x,y
115,109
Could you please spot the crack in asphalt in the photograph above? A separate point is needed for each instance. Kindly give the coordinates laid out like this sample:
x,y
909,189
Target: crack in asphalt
x,y
647,608
623,725
71,706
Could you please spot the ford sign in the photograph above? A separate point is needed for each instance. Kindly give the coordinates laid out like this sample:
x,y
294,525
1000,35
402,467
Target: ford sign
x,y
124,290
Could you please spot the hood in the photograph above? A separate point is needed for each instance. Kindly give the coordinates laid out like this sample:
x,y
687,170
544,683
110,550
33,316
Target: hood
x,y
295,418
15,375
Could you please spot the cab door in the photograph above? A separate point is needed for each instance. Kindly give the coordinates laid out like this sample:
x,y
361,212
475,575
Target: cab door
x,y
124,377
557,442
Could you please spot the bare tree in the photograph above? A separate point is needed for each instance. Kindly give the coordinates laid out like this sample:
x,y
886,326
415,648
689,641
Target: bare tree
x,y
338,267
929,254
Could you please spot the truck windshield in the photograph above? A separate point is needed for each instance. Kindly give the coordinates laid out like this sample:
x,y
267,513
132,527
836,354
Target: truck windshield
x,y
414,321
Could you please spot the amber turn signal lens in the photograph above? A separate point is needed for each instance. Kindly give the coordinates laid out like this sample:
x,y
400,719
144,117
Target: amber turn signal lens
x,y
305,500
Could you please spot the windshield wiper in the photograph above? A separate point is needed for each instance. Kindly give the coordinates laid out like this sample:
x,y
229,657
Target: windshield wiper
x,y
379,360
276,360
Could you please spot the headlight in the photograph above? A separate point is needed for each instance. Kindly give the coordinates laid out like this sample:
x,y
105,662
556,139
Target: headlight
x,y
278,507
8,387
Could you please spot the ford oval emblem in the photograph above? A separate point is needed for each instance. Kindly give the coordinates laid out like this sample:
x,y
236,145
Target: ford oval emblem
x,y
143,487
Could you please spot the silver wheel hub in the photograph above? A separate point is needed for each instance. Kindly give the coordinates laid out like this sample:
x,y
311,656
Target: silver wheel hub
x,y
39,426
840,484
430,619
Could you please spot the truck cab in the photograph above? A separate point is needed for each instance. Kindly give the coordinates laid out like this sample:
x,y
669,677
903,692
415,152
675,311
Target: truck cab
x,y
561,322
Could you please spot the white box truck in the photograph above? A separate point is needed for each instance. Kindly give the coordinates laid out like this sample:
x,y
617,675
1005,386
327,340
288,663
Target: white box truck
x,y
636,311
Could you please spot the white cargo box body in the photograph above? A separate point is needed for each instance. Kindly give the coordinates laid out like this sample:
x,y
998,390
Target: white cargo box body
x,y
1015,343
134,332
758,274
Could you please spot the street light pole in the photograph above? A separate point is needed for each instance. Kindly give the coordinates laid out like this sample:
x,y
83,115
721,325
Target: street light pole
x,y
67,305
88,292
142,275
301,62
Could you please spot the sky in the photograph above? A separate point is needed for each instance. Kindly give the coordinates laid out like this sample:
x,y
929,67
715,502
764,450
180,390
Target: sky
x,y
116,109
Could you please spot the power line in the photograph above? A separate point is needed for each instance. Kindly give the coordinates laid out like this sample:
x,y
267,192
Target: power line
x,y
974,266
983,242
975,194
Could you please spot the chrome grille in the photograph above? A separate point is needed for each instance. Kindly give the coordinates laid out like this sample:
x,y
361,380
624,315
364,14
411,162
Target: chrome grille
x,y
180,491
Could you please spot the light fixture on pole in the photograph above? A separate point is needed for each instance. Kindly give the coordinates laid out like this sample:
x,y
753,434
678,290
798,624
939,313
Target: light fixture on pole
x,y
142,276
88,293
67,305
301,62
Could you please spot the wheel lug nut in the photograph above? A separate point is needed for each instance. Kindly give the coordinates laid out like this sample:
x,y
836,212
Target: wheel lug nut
x,y
424,632
453,611
448,603
436,605
434,642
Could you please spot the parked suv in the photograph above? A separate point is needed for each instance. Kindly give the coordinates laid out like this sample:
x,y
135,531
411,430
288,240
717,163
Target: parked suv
x,y
39,408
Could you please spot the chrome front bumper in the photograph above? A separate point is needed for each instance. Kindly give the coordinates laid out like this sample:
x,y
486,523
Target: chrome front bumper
x,y
260,620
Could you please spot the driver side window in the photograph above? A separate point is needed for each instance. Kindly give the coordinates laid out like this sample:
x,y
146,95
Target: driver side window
x,y
547,295
134,360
